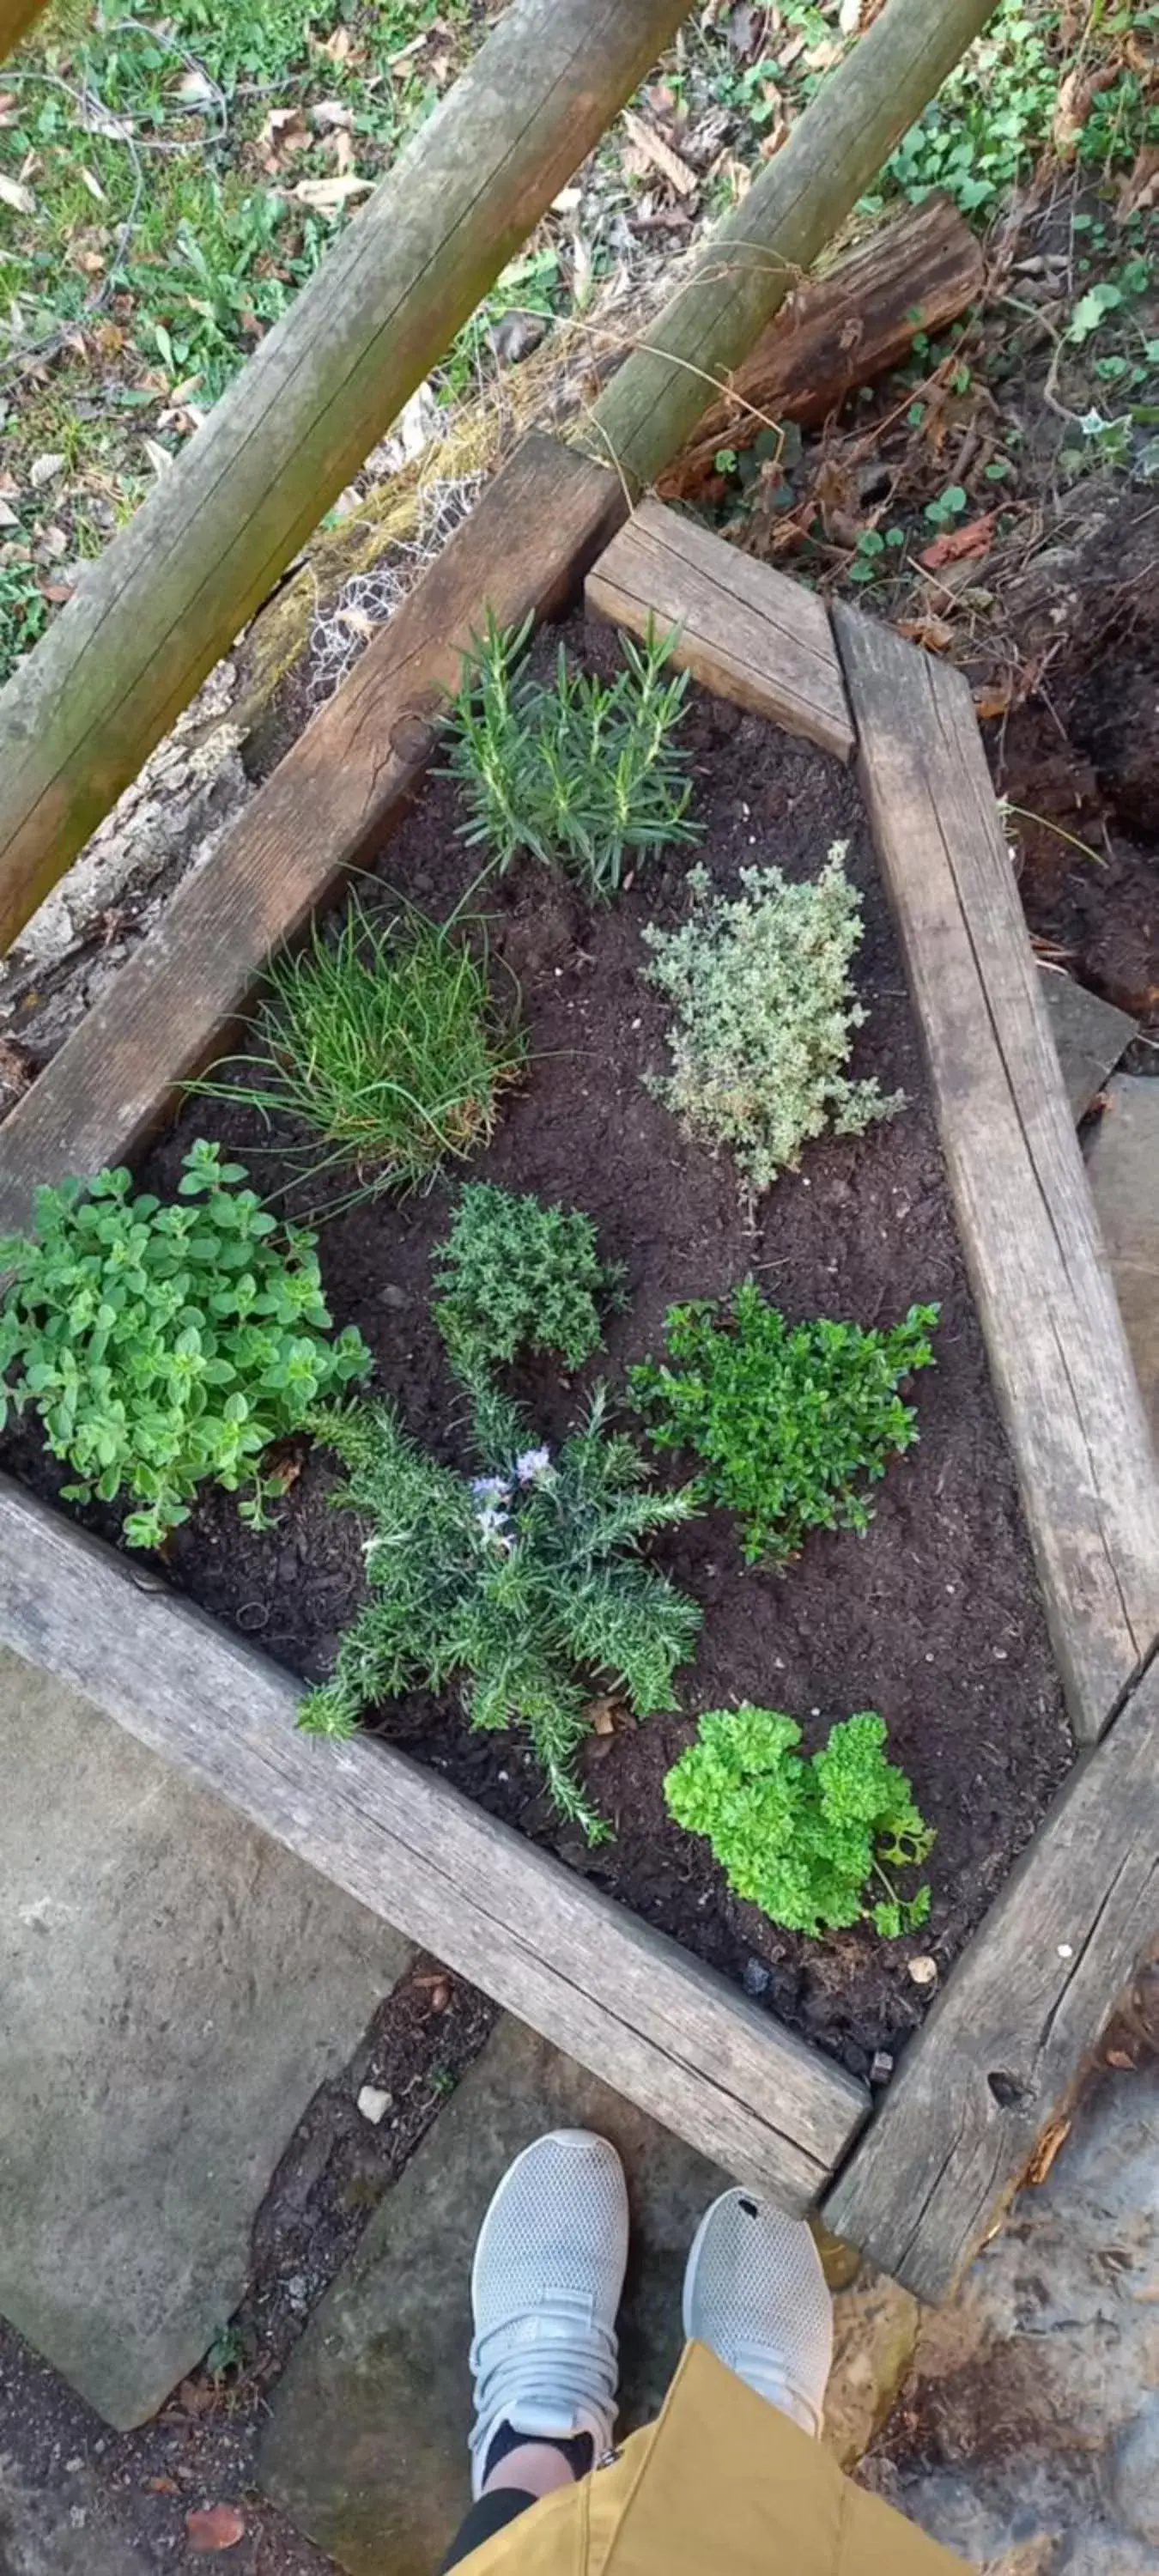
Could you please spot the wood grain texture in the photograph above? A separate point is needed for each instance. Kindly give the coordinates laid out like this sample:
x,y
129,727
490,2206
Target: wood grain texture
x,y
328,804
1003,2047
796,204
1058,1353
740,627
916,273
176,585
620,1998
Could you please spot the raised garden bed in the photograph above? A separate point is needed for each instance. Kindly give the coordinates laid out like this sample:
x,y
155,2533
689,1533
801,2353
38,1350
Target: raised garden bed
x,y
865,1230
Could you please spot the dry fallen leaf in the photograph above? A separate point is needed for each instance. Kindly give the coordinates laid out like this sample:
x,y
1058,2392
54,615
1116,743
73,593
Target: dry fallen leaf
x,y
45,468
12,194
214,2526
9,518
328,195
1140,188
661,154
932,633
956,545
339,46
1071,110
162,2486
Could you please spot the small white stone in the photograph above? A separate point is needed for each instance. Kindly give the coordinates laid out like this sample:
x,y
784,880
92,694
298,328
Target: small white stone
x,y
1065,1950
374,2103
924,1971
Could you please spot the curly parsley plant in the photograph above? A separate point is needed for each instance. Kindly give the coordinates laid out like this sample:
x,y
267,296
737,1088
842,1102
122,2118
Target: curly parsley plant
x,y
763,1016
812,1842
525,1584
789,1423
165,1346
516,1275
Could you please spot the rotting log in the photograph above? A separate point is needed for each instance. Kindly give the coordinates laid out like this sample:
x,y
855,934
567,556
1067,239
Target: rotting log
x,y
747,267
917,273
173,590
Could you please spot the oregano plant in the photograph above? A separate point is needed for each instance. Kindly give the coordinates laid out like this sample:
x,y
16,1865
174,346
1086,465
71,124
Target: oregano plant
x,y
165,1345
816,1842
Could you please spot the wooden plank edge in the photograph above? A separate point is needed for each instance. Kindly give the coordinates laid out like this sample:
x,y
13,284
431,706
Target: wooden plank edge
x,y
1011,2061
418,1854
89,1106
617,590
1091,1708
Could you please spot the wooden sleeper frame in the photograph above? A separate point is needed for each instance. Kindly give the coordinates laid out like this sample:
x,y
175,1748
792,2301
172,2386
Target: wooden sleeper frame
x,y
916,2184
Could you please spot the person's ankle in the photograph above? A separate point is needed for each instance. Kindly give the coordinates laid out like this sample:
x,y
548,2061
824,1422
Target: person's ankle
x,y
535,2467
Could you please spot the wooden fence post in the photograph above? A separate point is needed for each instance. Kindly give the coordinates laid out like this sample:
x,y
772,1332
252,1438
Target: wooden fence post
x,y
174,588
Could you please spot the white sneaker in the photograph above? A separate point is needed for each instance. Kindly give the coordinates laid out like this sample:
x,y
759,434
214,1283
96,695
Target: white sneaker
x,y
754,2291
545,2288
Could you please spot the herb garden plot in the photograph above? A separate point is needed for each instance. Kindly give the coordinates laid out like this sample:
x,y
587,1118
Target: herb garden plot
x,y
932,1617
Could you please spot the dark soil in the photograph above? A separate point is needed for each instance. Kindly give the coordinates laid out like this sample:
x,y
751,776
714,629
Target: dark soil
x,y
933,1617
130,2492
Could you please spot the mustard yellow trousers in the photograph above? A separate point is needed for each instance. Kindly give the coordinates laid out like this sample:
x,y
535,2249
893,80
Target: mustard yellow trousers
x,y
721,2485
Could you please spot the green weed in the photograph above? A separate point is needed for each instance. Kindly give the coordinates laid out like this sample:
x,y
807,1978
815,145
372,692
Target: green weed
x,y
809,1841
789,1424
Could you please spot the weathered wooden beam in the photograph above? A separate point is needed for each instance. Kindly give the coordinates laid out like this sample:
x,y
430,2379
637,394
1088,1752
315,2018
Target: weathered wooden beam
x,y
1058,1354
916,273
175,587
1003,2047
326,808
742,628
622,1999
751,261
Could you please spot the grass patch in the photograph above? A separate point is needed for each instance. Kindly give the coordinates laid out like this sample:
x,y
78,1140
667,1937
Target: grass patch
x,y
385,1043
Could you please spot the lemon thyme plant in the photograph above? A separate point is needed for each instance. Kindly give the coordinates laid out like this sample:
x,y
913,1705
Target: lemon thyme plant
x,y
516,1275
763,1017
524,1585
164,1346
814,1842
584,773
788,1423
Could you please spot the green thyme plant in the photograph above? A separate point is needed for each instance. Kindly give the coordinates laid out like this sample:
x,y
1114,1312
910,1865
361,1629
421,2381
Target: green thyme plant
x,y
789,1423
584,773
524,1585
763,1015
516,1275
164,1346
386,1044
809,1841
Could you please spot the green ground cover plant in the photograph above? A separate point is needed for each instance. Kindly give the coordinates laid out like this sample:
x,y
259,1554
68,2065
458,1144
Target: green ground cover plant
x,y
516,1275
584,773
165,1345
789,1423
763,1017
525,1584
385,1043
811,1841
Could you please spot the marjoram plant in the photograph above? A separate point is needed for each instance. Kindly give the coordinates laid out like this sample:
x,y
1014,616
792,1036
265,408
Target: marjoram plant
x,y
809,1841
788,1423
164,1346
516,1275
524,1584
584,773
763,1016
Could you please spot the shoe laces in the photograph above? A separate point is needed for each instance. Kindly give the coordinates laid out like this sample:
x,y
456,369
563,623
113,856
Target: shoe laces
x,y
558,2357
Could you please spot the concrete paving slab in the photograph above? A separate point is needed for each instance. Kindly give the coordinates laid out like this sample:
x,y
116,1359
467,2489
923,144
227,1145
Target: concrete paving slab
x,y
173,1989
1123,1170
1090,1035
366,2449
